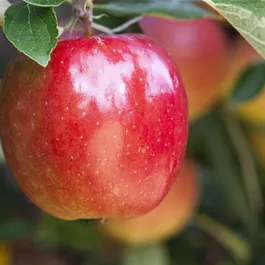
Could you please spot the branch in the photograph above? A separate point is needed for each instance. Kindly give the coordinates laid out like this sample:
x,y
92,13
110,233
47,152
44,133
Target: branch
x,y
127,24
119,29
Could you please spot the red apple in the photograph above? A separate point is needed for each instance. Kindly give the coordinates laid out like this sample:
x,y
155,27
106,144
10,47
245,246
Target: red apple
x,y
166,220
200,50
100,132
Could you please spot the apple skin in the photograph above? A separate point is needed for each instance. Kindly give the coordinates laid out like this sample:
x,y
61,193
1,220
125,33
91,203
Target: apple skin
x,y
101,132
200,50
167,219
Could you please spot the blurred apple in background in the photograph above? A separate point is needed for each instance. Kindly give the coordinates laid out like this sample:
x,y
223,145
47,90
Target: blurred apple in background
x,y
167,219
200,49
242,55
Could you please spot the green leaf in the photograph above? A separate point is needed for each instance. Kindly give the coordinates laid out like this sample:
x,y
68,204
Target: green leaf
x,y
250,83
210,201
152,254
32,30
226,171
249,174
4,4
181,247
172,8
11,230
247,16
234,243
44,2
80,235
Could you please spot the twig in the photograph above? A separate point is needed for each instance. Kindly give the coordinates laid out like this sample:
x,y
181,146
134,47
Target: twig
x,y
60,30
120,28
102,28
127,24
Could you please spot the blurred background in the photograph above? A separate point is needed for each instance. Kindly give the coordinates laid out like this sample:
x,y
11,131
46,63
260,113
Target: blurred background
x,y
214,215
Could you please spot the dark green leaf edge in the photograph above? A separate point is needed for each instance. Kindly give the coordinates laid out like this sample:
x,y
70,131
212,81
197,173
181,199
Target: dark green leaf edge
x,y
180,10
250,83
49,56
34,3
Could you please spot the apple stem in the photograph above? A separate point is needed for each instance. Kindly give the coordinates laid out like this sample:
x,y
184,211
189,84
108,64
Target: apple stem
x,y
83,10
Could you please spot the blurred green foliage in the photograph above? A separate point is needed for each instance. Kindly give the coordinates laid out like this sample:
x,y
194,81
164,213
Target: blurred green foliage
x,y
229,227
